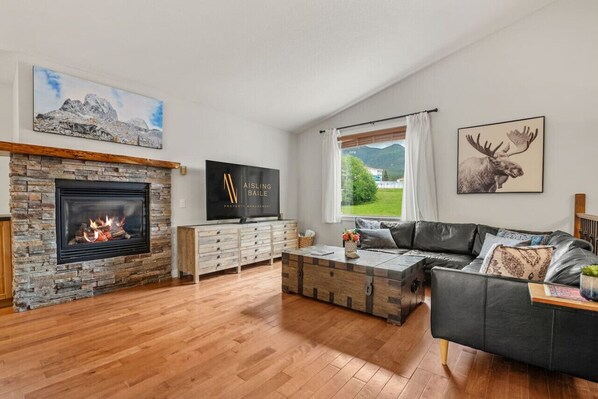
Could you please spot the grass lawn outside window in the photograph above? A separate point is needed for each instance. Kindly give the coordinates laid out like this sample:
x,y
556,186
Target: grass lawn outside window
x,y
388,202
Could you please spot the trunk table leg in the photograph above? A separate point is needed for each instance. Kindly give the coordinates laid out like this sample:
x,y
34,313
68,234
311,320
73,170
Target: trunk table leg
x,y
444,344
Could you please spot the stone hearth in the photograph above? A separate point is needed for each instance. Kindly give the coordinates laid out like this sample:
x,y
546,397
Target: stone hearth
x,y
38,279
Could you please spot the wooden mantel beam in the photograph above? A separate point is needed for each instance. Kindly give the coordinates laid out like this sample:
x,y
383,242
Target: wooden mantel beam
x,y
30,149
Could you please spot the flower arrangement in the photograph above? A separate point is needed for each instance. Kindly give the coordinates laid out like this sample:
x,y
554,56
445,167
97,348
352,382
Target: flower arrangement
x,y
351,235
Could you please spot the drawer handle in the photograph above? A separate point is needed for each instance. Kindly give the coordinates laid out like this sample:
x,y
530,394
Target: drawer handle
x,y
285,225
218,240
255,236
255,257
256,242
255,229
218,257
218,249
255,250
218,232
218,265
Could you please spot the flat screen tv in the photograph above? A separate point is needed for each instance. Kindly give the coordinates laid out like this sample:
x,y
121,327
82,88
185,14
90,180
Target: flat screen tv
x,y
241,191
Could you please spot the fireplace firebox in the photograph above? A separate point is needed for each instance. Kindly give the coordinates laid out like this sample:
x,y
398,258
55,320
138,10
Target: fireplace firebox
x,y
97,220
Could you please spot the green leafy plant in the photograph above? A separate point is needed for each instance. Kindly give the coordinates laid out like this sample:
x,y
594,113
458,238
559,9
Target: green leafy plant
x,y
357,183
591,270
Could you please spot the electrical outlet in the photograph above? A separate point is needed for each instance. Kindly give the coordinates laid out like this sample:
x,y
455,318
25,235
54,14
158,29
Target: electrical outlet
x,y
183,204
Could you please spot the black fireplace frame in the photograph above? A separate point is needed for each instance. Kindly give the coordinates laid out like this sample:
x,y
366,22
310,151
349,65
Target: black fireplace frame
x,y
85,189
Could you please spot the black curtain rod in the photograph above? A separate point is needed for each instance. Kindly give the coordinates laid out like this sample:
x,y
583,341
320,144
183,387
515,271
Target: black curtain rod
x,y
383,120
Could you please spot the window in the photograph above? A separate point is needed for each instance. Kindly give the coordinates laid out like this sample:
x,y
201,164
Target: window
x,y
372,170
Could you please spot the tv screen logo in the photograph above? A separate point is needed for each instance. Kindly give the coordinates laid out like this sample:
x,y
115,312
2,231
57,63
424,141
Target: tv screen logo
x,y
230,188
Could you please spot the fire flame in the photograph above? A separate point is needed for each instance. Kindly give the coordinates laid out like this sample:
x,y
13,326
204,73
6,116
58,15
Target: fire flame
x,y
102,228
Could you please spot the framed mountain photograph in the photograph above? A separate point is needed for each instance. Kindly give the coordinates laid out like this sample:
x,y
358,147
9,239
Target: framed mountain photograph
x,y
504,157
70,106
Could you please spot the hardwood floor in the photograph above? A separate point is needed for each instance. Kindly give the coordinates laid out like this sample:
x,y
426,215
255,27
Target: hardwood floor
x,y
236,336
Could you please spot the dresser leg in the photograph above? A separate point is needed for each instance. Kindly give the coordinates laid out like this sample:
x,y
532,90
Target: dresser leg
x,y
196,278
444,344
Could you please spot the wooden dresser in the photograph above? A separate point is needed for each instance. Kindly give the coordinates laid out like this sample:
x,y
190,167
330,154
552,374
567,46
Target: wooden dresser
x,y
5,259
208,248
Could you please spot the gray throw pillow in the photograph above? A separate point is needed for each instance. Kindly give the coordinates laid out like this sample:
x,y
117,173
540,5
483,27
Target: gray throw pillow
x,y
376,238
491,239
402,232
362,223
535,239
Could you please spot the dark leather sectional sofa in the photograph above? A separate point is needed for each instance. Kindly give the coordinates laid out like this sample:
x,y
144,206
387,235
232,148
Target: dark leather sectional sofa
x,y
495,313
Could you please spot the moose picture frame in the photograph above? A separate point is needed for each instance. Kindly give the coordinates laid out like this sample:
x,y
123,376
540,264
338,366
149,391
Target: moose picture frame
x,y
503,157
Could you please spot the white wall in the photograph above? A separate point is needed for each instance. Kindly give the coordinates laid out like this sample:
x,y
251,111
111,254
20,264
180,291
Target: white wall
x,y
192,134
546,65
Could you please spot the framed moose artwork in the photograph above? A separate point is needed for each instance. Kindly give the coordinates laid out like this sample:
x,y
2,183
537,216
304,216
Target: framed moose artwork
x,y
504,157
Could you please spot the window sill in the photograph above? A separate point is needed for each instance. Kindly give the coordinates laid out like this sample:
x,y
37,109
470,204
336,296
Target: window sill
x,y
351,218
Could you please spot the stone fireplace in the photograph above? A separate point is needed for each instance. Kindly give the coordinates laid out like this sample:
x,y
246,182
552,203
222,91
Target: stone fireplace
x,y
82,228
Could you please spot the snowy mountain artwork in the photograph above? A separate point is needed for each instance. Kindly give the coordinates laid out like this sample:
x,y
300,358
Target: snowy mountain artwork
x,y
64,104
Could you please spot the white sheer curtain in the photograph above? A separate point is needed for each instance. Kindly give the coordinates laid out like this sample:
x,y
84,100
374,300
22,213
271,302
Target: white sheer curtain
x,y
331,177
419,192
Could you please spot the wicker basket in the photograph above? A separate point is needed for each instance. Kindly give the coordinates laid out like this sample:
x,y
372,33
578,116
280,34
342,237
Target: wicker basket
x,y
306,241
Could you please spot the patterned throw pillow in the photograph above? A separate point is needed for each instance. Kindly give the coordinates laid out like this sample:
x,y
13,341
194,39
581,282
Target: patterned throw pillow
x,y
528,263
535,239
491,239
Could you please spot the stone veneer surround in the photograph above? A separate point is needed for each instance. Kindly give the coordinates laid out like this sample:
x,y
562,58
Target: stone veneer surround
x,y
38,279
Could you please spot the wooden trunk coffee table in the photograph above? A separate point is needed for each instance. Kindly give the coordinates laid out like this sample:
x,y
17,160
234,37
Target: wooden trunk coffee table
x,y
385,285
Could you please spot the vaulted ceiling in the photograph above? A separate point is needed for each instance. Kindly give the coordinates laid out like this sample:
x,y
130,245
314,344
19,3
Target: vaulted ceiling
x,y
283,63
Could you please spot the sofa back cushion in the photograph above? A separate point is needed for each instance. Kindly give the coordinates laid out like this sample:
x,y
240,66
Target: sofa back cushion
x,y
480,237
362,223
402,232
569,256
535,239
444,237
528,263
376,239
491,239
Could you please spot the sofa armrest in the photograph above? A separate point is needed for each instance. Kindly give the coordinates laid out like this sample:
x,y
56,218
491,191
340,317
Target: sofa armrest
x,y
491,313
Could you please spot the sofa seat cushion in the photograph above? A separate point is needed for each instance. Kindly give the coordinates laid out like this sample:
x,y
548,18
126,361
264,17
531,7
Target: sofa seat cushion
x,y
444,237
402,232
442,259
474,266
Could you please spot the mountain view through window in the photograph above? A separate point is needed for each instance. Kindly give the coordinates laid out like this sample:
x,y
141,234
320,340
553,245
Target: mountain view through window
x,y
372,179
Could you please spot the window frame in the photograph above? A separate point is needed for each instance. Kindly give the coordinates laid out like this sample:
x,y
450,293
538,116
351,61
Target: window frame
x,y
362,138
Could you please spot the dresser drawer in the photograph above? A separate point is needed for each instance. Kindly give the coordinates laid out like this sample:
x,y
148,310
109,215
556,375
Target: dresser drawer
x,y
283,226
255,235
251,256
259,242
222,246
255,229
283,235
216,231
217,256
220,264
217,239
280,247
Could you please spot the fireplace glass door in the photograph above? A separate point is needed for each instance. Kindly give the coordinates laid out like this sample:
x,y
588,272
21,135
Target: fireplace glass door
x,y
96,220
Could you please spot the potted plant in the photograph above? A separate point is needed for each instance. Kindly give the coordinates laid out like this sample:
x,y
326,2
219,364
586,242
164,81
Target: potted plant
x,y
351,238
588,284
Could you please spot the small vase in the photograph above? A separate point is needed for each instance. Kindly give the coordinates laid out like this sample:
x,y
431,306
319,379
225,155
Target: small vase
x,y
588,287
351,249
